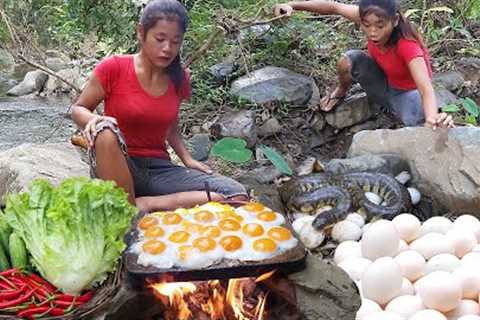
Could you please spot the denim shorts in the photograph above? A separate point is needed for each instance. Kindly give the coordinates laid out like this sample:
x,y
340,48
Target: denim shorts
x,y
154,177
405,105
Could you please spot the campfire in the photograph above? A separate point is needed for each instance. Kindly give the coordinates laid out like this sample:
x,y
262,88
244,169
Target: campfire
x,y
230,299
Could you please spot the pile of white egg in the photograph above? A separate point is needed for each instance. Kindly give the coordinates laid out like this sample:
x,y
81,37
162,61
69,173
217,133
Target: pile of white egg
x,y
412,271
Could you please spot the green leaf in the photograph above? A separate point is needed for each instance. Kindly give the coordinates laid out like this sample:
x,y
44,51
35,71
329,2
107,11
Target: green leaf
x,y
232,149
440,9
471,119
450,108
277,160
471,107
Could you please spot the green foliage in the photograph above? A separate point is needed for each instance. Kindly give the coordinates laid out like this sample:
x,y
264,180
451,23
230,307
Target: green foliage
x,y
232,150
467,110
277,160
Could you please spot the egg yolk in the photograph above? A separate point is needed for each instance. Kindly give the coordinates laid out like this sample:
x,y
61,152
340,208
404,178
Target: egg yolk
x,y
264,245
147,222
254,206
204,244
267,216
230,215
204,216
185,252
171,218
193,227
154,232
154,247
252,229
211,232
279,233
229,225
231,243
179,237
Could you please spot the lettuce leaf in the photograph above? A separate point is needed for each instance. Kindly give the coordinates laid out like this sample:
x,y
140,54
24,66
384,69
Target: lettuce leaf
x,y
73,232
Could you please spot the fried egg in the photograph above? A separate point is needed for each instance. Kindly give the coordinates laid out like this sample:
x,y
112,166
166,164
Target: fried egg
x,y
251,208
270,218
261,249
282,237
190,257
156,253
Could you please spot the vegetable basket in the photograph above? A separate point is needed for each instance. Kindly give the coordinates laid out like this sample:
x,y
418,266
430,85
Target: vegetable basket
x,y
102,298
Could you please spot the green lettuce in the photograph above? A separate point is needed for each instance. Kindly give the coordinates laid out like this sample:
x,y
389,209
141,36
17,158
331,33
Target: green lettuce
x,y
73,232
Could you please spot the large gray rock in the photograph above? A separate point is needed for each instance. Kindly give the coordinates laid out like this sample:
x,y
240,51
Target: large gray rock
x,y
355,110
269,128
445,97
470,69
33,82
200,145
221,71
387,163
450,80
445,163
273,84
54,86
54,161
239,124
325,292
56,63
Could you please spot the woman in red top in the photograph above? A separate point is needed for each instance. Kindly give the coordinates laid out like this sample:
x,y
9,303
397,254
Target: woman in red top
x,y
396,72
142,94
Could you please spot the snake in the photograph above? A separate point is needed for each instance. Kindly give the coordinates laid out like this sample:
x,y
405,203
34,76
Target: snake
x,y
344,192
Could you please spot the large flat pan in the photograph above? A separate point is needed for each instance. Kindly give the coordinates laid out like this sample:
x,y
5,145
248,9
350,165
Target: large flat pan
x,y
290,261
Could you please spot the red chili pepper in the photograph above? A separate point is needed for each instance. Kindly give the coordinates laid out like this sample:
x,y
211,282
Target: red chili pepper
x,y
34,311
5,286
69,298
10,294
9,272
17,301
50,287
10,283
67,304
40,288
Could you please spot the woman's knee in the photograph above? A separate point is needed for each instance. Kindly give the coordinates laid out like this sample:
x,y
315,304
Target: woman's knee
x,y
106,140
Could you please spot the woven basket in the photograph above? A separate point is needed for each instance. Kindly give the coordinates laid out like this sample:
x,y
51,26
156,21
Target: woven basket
x,y
103,295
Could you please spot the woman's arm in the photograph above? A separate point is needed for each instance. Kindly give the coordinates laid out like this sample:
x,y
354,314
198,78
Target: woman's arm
x,y
433,118
348,11
175,140
82,110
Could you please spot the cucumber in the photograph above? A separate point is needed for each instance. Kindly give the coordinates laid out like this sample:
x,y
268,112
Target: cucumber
x,y
4,264
18,252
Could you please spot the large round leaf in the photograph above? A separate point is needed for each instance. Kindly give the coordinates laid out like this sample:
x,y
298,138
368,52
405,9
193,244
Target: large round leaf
x,y
232,149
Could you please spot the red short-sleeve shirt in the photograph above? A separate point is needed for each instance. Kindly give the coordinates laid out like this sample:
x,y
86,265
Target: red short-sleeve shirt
x,y
143,119
394,62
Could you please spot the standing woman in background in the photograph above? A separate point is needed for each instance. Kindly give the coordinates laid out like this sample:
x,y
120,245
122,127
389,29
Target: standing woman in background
x,y
142,94
395,73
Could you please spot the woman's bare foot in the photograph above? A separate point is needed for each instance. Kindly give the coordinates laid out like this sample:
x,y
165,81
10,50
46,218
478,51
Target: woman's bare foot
x,y
333,99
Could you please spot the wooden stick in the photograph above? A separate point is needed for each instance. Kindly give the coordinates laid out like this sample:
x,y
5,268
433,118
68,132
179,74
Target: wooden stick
x,y
204,48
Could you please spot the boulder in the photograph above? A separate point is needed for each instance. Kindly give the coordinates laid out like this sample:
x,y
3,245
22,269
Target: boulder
x,y
272,85
355,109
445,164
33,82
238,124
450,80
200,145
55,162
55,86
269,128
382,163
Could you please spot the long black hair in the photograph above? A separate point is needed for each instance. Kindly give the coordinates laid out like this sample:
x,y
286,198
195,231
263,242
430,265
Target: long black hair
x,y
171,10
389,9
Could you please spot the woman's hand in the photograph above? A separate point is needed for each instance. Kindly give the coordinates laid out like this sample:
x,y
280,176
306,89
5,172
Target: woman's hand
x,y
91,124
440,120
194,164
282,10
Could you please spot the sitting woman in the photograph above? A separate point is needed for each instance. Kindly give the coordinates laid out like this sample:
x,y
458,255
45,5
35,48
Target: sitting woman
x,y
142,95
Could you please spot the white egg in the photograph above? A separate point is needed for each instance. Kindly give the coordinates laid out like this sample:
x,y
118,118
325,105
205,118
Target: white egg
x,y
441,291
476,248
382,280
346,230
462,239
415,195
435,224
380,240
355,267
470,317
412,264
407,226
432,244
469,279
367,307
465,307
469,222
310,236
383,315
356,218
405,306
402,246
428,314
347,250
407,288
471,259
442,262
365,227
300,222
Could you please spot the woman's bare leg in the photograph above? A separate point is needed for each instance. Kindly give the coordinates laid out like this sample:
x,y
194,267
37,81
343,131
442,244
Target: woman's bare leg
x,y
179,200
112,164
345,81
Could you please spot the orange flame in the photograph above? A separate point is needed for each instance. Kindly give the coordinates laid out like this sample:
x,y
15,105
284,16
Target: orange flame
x,y
176,297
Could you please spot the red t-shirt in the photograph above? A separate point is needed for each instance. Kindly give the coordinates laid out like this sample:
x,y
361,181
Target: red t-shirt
x,y
394,62
143,119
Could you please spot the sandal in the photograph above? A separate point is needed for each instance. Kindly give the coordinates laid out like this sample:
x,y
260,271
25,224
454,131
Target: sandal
x,y
338,100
